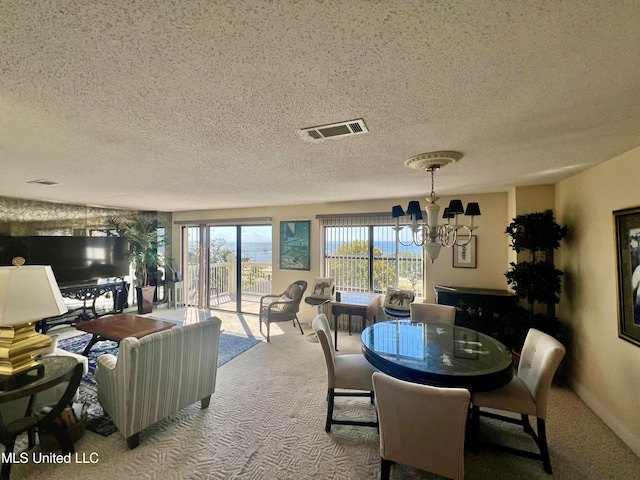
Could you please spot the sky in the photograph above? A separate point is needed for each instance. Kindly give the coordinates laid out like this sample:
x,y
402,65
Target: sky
x,y
253,234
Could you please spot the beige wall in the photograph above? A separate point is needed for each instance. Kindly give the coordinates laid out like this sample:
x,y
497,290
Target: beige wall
x,y
531,199
603,369
491,243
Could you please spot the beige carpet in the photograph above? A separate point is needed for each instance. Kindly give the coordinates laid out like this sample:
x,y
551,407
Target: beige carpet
x,y
266,421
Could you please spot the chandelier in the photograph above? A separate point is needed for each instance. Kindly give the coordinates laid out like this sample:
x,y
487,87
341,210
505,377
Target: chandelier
x,y
430,234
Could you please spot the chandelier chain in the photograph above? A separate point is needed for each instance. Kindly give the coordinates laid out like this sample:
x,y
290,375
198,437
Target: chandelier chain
x,y
433,193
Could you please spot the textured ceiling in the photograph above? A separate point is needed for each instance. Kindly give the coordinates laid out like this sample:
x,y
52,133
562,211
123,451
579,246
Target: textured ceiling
x,y
197,104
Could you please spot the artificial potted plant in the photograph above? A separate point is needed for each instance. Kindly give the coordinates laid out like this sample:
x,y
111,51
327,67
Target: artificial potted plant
x,y
535,280
145,247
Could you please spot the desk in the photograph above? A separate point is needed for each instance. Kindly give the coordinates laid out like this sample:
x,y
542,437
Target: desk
x,y
56,370
437,354
364,305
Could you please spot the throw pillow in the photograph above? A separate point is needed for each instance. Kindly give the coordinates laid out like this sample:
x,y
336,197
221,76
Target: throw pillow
x,y
399,298
292,291
323,288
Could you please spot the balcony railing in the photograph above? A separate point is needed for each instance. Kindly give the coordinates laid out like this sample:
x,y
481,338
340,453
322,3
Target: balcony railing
x,y
352,273
255,281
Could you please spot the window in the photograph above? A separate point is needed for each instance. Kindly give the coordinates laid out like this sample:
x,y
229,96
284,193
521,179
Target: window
x,y
362,255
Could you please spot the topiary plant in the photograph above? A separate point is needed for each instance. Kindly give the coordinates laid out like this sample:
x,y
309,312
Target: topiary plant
x,y
536,281
536,232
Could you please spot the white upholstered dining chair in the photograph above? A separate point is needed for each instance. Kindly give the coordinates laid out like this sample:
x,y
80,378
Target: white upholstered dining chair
x,y
433,312
344,372
421,426
526,394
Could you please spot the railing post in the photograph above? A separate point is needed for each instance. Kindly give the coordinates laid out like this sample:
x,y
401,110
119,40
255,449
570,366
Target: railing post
x,y
232,273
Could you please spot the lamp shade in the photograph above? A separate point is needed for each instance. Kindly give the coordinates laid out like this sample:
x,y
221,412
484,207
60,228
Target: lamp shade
x,y
446,214
28,294
455,207
397,212
473,208
413,209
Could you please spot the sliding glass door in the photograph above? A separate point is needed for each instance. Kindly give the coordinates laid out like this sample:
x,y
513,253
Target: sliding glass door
x,y
255,266
223,258
192,259
236,261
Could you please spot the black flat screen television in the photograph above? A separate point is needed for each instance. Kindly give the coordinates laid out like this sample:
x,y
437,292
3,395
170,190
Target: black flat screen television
x,y
74,260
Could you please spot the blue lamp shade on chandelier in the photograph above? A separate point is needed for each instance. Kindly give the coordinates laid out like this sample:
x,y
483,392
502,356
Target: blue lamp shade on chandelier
x,y
454,208
473,209
413,210
429,233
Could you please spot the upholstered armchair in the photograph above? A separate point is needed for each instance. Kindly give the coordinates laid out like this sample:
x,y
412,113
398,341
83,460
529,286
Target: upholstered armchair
x,y
283,307
158,375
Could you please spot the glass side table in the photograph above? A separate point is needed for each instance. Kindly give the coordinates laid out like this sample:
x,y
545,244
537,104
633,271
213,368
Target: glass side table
x,y
56,370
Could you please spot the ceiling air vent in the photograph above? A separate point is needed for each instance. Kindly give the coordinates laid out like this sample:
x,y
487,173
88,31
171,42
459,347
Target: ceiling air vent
x,y
342,129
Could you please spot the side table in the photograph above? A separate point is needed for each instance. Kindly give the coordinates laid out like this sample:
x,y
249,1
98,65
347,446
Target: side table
x,y
56,370
364,305
174,293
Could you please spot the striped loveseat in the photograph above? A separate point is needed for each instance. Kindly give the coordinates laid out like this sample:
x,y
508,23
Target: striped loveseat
x,y
158,375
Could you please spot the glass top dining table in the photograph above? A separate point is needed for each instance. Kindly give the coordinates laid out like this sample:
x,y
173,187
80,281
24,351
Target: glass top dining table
x,y
438,354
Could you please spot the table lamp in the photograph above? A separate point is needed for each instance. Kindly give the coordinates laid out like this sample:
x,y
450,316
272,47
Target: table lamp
x,y
28,293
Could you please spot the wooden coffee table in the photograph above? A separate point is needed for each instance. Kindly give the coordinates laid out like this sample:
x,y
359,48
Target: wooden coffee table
x,y
120,326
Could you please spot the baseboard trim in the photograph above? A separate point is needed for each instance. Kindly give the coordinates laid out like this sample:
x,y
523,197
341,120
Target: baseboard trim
x,y
628,437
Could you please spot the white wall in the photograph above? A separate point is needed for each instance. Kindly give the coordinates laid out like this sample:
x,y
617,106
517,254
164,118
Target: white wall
x,y
603,369
491,243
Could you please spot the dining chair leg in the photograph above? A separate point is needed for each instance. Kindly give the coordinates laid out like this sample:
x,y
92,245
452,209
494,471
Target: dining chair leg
x,y
542,444
540,437
330,399
475,429
385,469
525,424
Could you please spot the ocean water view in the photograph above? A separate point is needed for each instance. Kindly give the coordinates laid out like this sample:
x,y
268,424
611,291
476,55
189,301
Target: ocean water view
x,y
262,252
259,252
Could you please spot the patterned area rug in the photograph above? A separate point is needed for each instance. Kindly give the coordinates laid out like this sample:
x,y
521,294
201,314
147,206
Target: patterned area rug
x,y
231,345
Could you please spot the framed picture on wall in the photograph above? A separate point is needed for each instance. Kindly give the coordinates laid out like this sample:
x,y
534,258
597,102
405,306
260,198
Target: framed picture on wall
x,y
627,233
295,251
465,256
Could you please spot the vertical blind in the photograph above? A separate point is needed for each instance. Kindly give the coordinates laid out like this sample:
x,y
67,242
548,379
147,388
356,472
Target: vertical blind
x,y
360,252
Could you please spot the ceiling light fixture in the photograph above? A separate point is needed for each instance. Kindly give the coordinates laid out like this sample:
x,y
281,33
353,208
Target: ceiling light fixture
x,y
431,235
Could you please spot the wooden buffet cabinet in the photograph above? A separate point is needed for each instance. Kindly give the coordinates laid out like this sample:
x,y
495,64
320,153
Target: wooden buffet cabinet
x,y
477,308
